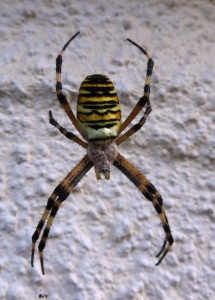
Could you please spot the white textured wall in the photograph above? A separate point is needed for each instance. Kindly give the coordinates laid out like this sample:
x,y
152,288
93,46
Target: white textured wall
x,y
105,237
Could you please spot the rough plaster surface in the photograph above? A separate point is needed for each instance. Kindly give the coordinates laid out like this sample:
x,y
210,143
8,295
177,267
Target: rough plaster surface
x,y
105,237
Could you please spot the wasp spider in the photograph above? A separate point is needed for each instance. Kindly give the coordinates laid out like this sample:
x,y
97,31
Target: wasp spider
x,y
99,123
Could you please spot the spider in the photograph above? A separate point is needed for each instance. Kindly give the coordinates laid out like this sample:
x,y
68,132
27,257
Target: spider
x,y
99,123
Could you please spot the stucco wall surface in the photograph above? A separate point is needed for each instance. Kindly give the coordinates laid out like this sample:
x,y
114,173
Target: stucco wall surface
x,y
103,243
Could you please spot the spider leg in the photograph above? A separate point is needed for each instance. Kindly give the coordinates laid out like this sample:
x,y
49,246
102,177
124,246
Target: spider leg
x,y
61,97
60,194
67,134
136,127
151,194
145,98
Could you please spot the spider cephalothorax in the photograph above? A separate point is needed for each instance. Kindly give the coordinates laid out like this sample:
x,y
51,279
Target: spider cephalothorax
x,y
99,123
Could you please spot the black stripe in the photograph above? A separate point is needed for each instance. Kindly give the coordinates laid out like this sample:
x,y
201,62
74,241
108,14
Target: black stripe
x,y
99,106
97,78
43,243
89,102
98,95
157,208
96,127
147,88
69,41
127,173
100,121
98,113
151,188
136,127
62,99
143,100
58,86
141,49
134,179
160,200
91,88
58,63
167,228
150,67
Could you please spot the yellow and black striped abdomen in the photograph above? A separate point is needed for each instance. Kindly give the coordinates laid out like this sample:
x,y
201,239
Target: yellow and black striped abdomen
x,y
98,109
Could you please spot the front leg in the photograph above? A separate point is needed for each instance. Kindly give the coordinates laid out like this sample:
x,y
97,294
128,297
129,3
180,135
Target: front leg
x,y
67,134
137,126
61,97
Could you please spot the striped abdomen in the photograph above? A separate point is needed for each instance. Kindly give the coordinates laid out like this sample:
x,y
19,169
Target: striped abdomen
x,y
98,110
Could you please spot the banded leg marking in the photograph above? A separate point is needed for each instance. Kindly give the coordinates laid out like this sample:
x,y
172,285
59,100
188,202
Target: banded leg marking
x,y
61,97
67,134
145,98
60,194
151,194
136,127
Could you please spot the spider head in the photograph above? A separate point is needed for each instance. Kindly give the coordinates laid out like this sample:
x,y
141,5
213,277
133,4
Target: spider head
x,y
103,157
